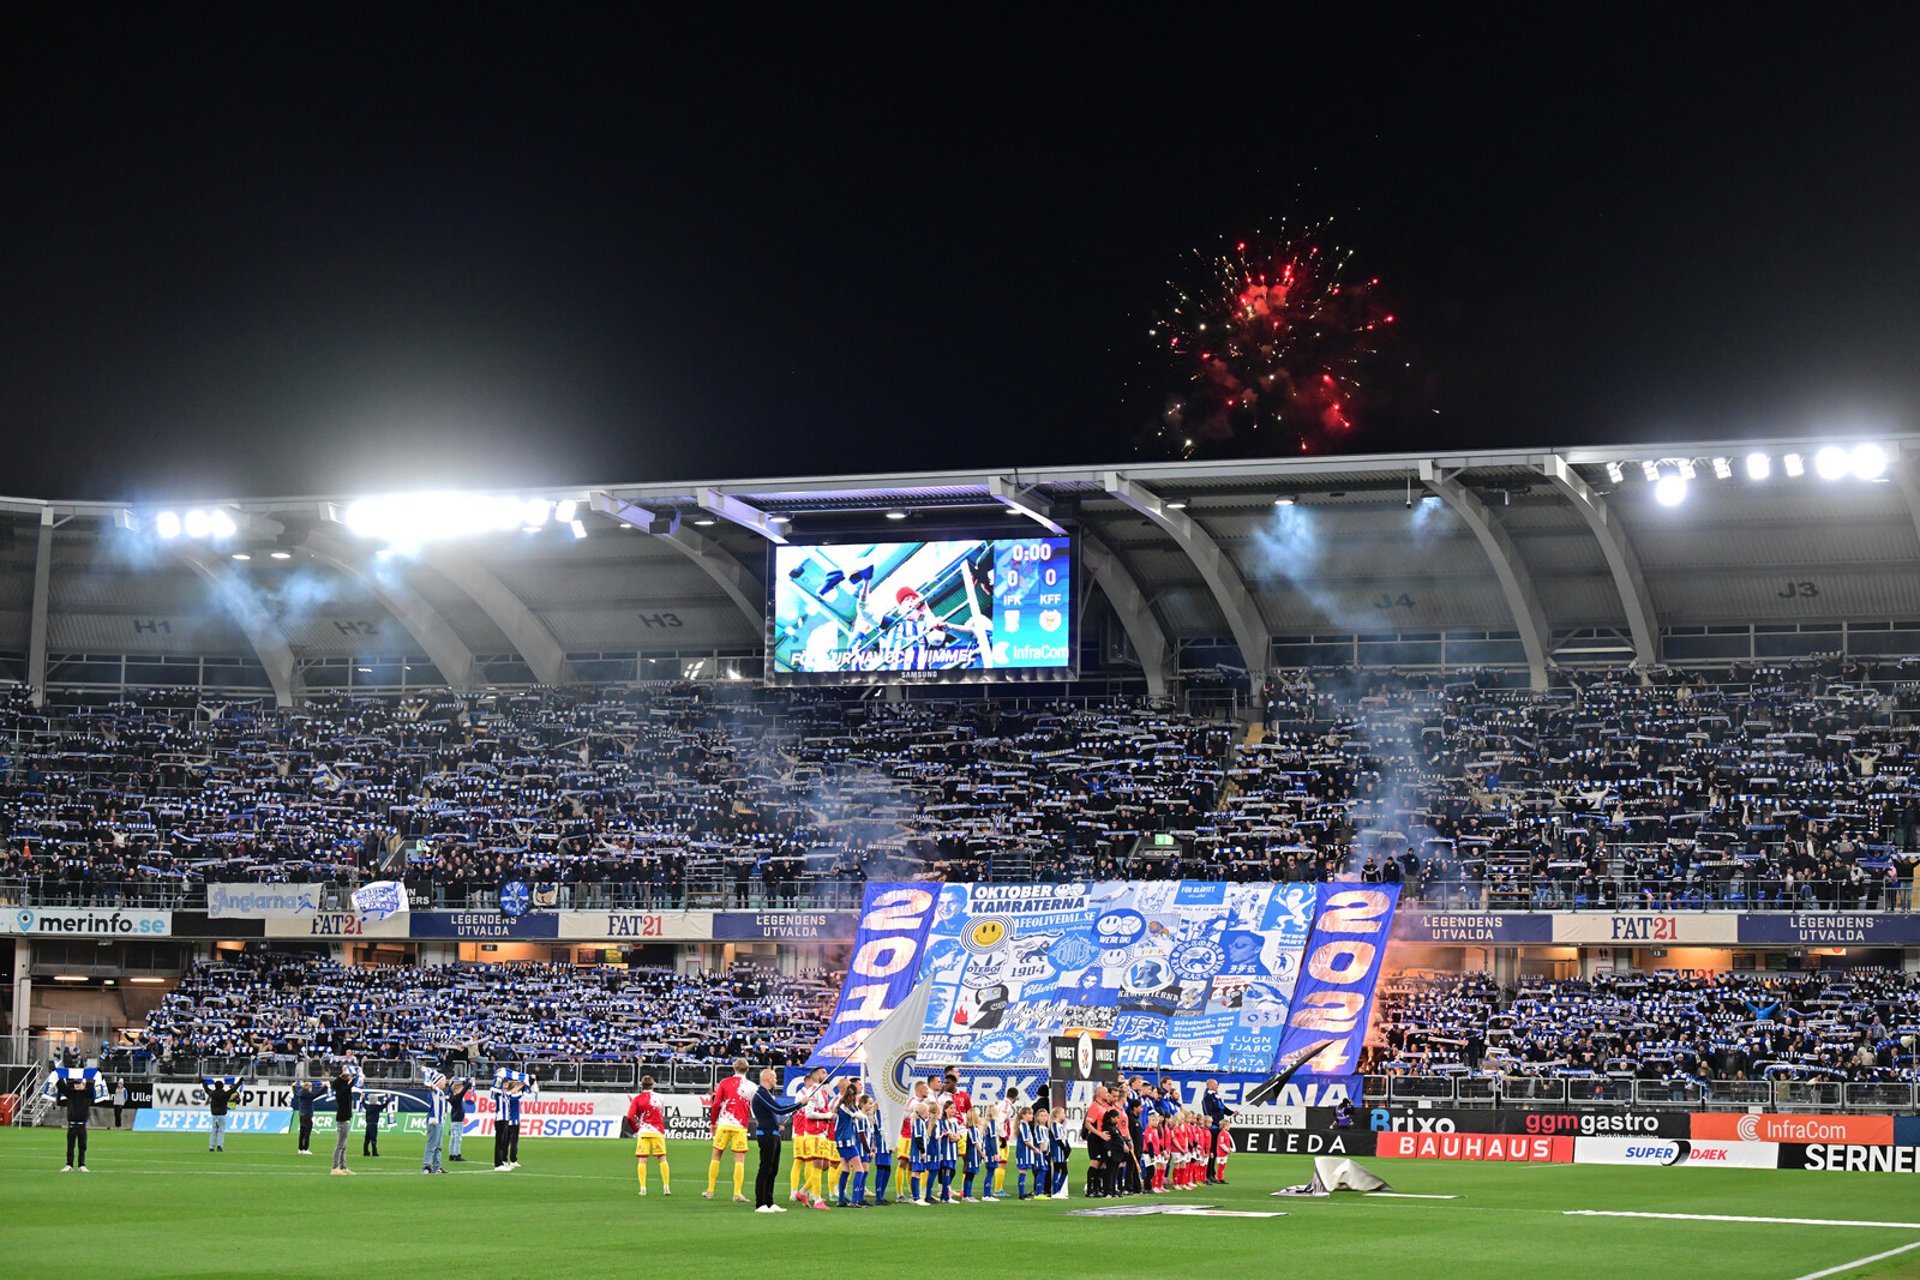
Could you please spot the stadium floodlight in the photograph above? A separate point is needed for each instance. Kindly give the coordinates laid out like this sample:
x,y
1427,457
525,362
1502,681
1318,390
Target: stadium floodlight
x,y
1795,465
1832,462
197,523
222,523
1284,502
1723,468
167,524
1686,468
281,555
1176,505
1759,466
578,529
406,520
1615,473
1670,491
1869,461
241,555
901,515
1651,470
566,511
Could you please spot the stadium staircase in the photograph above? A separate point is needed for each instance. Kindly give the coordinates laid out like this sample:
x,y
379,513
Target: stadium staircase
x,y
30,1101
1013,866
1256,734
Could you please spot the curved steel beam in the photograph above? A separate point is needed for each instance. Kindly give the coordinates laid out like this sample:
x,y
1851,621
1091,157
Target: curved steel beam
x,y
431,631
1516,584
42,598
1908,483
262,632
528,635
1131,606
1217,570
1031,503
1643,626
744,514
740,583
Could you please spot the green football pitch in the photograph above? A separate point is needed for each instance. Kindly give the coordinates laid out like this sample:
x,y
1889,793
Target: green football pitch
x,y
161,1205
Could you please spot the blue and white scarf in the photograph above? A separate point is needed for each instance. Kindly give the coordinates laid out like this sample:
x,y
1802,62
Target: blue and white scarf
x,y
90,1076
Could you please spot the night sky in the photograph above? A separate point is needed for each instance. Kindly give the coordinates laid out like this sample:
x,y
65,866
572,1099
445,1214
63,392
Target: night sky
x,y
276,250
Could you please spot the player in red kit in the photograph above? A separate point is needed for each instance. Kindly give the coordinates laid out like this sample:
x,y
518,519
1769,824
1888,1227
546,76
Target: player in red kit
x,y
730,1115
649,1125
1223,1150
962,1102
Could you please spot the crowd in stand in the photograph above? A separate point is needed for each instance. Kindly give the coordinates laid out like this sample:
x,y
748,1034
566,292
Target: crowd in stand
x,y
1783,787
268,1007
1860,1025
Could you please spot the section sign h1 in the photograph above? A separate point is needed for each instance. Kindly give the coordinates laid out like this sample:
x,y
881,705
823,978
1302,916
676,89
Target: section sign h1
x,y
960,610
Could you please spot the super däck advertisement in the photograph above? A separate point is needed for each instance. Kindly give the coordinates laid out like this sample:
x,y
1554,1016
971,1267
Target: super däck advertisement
x,y
1672,1153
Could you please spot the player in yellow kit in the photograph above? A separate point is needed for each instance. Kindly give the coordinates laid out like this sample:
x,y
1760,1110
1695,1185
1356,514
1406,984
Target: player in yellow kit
x,y
649,1125
730,1114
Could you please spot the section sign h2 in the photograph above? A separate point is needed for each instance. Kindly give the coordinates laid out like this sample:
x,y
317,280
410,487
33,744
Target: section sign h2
x,y
960,610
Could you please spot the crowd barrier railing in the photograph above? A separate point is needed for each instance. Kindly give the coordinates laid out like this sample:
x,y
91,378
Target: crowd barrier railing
x,y
1626,894
1614,1091
563,1074
1436,1092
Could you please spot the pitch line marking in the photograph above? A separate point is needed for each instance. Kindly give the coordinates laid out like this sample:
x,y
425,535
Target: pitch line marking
x,y
1860,1262
1407,1195
1733,1217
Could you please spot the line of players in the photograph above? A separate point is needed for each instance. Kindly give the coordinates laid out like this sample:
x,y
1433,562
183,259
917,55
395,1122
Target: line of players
x,y
839,1143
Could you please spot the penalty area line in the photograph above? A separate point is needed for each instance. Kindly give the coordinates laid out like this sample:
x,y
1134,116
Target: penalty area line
x,y
1733,1217
1860,1262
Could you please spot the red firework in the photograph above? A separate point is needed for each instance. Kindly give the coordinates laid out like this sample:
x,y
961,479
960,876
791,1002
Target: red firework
x,y
1273,343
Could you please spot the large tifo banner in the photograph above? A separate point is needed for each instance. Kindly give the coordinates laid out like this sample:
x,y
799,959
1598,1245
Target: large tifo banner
x,y
1188,976
889,948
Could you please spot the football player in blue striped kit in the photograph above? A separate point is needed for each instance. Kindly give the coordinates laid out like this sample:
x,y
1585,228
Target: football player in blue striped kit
x,y
946,1151
1029,1156
882,1156
994,1157
974,1160
920,1175
851,1139
1060,1152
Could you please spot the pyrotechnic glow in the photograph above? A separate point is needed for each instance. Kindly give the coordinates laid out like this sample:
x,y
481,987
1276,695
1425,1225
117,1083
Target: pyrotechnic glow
x,y
1273,342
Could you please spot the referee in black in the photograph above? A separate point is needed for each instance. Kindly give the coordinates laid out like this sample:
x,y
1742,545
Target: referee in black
x,y
768,1114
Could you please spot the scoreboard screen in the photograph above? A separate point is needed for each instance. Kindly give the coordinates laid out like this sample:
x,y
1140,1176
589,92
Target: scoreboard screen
x,y
959,610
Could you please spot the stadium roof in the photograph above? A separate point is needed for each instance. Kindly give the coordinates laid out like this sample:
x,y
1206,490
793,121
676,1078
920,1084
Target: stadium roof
x,y
1520,557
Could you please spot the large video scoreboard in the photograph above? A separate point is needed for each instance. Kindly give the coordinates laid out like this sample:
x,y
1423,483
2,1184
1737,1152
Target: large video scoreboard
x,y
957,610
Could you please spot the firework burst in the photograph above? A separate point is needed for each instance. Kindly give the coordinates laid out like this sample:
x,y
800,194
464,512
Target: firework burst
x,y
1273,341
